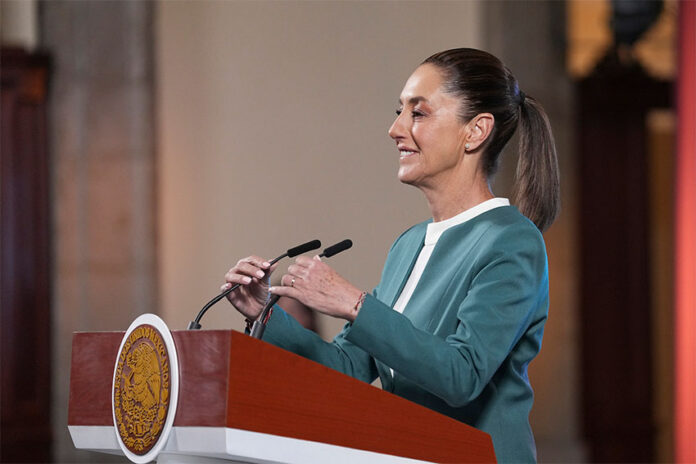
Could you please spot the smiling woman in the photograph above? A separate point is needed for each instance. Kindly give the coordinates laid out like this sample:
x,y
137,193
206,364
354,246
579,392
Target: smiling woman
x,y
460,309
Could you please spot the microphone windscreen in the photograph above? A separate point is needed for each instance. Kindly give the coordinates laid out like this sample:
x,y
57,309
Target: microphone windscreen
x,y
337,248
304,248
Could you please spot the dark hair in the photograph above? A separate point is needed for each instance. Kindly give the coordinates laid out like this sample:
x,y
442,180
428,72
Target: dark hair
x,y
485,85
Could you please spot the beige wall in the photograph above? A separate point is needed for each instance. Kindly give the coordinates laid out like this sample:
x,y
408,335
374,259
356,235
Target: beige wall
x,y
273,123
18,24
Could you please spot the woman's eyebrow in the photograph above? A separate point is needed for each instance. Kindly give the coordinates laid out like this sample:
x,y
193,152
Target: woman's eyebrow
x,y
414,100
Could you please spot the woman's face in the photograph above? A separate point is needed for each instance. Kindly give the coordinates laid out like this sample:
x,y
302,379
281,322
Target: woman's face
x,y
428,132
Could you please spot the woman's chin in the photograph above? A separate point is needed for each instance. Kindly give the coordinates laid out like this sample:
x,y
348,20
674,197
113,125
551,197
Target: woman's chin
x,y
406,176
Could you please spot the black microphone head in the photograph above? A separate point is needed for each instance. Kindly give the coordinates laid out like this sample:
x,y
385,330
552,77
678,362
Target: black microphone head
x,y
304,248
337,248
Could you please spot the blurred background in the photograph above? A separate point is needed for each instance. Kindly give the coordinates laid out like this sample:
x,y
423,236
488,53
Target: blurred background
x,y
148,145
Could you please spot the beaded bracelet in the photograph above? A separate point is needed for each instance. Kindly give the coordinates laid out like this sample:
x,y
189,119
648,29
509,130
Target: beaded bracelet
x,y
360,302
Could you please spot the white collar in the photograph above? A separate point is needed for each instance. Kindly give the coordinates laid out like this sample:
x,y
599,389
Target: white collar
x,y
436,229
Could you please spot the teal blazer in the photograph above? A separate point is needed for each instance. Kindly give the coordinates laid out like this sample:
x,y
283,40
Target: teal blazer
x,y
465,339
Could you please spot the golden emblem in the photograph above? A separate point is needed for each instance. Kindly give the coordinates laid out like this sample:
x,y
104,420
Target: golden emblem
x,y
141,389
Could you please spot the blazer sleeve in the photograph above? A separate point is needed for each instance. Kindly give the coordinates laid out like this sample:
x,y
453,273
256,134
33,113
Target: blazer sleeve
x,y
496,311
340,354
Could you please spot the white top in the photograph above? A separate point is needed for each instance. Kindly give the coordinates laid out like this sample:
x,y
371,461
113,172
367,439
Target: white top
x,y
432,235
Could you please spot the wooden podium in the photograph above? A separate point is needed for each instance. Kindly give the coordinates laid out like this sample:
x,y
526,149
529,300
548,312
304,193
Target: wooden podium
x,y
244,400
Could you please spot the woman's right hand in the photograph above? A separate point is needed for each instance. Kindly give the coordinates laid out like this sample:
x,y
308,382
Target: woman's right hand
x,y
252,274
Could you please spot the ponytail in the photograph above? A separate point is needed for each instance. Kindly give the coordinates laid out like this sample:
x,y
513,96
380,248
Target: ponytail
x,y
537,181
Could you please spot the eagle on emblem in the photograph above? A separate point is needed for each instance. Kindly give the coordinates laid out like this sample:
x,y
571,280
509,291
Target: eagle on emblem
x,y
143,383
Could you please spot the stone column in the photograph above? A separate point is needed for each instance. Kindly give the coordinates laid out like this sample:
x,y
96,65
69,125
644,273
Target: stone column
x,y
103,172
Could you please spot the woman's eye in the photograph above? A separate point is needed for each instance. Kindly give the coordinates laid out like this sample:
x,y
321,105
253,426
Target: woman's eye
x,y
414,113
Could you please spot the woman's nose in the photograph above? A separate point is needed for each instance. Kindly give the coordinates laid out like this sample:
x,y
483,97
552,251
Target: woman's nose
x,y
396,130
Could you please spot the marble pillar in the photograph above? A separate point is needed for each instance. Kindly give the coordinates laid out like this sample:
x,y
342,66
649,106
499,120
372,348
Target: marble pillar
x,y
103,174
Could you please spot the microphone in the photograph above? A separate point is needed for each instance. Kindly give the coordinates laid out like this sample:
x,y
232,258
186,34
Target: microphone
x,y
300,249
292,252
259,325
337,248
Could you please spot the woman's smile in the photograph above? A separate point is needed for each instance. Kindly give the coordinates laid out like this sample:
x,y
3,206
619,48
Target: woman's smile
x,y
405,152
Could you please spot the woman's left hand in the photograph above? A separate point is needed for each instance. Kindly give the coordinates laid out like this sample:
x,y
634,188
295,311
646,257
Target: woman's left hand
x,y
316,285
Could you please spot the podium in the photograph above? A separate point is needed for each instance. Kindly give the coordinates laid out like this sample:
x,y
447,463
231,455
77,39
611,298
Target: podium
x,y
244,400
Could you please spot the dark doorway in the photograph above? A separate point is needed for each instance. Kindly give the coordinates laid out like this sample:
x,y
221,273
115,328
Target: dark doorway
x,y
615,314
25,271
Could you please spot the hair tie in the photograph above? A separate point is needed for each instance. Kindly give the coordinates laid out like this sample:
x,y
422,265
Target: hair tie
x,y
522,97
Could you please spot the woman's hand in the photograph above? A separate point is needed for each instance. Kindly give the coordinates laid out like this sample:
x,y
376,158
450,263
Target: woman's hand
x,y
252,273
315,284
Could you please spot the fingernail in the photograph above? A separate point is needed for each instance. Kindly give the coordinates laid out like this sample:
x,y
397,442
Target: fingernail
x,y
226,286
266,264
271,289
247,280
260,274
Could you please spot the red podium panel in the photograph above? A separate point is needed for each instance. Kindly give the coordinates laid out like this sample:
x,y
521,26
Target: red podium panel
x,y
229,380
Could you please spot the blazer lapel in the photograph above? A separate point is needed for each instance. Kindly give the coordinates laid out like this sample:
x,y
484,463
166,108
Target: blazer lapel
x,y
403,264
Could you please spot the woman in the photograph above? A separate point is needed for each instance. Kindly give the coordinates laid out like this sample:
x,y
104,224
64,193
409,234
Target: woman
x,y
460,309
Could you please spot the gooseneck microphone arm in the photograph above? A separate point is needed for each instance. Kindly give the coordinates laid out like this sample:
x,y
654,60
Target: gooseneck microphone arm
x,y
260,324
298,250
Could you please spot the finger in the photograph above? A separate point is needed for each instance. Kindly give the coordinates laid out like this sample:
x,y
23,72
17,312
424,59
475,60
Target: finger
x,y
257,261
239,296
232,278
288,280
297,271
303,261
312,264
233,297
249,269
286,291
317,257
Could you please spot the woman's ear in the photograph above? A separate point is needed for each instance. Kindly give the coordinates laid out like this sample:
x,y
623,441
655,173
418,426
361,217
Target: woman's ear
x,y
477,131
